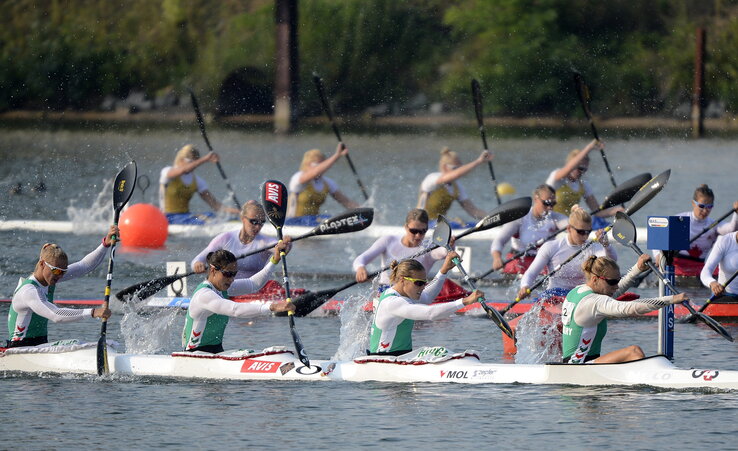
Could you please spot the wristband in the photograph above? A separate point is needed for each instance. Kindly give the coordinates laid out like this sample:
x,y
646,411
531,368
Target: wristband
x,y
271,259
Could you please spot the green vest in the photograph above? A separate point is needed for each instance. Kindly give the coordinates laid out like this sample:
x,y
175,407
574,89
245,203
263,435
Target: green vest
x,y
403,340
212,333
37,327
579,342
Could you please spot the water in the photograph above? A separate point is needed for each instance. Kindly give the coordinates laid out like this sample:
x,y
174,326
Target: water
x,y
64,412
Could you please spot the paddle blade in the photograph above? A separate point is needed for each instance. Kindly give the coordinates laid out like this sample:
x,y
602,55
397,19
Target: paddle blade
x,y
143,290
306,303
624,230
442,232
347,222
102,353
583,93
509,211
497,317
274,201
477,96
625,191
123,187
648,191
711,323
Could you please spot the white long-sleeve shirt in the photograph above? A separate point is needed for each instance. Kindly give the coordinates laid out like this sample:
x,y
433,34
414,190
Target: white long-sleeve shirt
x,y
527,230
701,246
724,254
230,241
391,248
553,253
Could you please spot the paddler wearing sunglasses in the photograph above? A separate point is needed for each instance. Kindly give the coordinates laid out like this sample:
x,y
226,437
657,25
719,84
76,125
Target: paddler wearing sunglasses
x,y
552,253
241,241
586,309
406,301
210,306
32,306
392,247
569,185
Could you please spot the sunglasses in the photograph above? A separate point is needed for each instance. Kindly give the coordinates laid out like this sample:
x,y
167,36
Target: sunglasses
x,y
256,222
417,231
226,274
582,232
611,282
417,282
703,206
55,270
549,202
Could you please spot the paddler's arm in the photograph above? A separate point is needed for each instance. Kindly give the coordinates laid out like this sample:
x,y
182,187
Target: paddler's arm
x,y
29,298
93,259
729,226
192,165
316,171
208,197
343,200
258,280
713,258
593,308
366,257
472,209
574,162
450,176
435,286
632,276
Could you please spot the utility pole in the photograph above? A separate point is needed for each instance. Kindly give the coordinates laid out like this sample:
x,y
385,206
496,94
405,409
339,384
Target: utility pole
x,y
698,92
287,77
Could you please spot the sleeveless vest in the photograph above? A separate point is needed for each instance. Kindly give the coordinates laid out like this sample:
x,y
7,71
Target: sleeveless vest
x,y
177,195
440,200
566,198
37,327
403,340
577,341
310,200
212,333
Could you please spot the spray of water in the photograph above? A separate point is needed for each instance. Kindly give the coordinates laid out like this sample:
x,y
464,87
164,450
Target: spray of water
x,y
355,328
539,337
97,215
152,331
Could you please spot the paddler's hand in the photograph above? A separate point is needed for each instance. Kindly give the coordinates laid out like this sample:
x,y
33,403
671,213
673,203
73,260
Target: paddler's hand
x,y
679,298
113,232
199,267
735,206
641,263
496,261
448,263
523,293
602,238
484,156
717,289
282,246
101,312
361,275
282,306
211,157
476,296
341,149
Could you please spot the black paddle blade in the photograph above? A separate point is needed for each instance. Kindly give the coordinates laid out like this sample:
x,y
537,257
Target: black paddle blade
x,y
625,191
497,317
123,187
648,191
143,290
477,96
583,93
350,221
274,201
624,230
442,232
306,303
102,355
301,354
509,211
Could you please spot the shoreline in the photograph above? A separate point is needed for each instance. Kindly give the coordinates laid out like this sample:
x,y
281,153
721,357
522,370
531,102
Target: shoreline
x,y
455,121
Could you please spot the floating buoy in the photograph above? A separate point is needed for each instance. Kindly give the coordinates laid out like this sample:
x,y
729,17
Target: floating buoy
x,y
143,225
505,189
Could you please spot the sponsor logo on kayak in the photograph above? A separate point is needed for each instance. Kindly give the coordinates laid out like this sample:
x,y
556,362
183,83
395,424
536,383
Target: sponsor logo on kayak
x,y
259,366
273,193
436,351
454,374
308,370
658,222
706,375
286,368
351,221
483,374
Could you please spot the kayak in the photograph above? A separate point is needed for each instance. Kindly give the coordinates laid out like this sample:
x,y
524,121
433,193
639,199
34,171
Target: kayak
x,y
428,364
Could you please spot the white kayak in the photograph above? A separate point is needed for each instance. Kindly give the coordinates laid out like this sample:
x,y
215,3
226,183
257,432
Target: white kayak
x,y
423,365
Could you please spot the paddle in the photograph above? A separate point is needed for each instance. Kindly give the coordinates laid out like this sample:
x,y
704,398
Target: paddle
x,y
509,211
327,108
201,123
477,96
714,224
441,237
346,222
584,98
274,201
624,232
641,198
123,187
691,318
621,194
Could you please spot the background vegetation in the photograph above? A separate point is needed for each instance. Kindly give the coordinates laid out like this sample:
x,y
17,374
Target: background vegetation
x,y
636,54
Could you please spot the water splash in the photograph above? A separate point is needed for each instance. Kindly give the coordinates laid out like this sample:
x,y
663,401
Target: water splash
x,y
95,217
539,337
150,331
355,328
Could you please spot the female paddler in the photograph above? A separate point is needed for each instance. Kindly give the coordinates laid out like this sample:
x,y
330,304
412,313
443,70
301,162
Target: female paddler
x,y
406,301
440,189
241,241
210,308
309,188
690,262
586,309
723,255
178,183
571,188
555,252
540,223
392,247
32,305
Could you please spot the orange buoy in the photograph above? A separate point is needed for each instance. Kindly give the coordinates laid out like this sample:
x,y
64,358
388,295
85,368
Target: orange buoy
x,y
143,225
